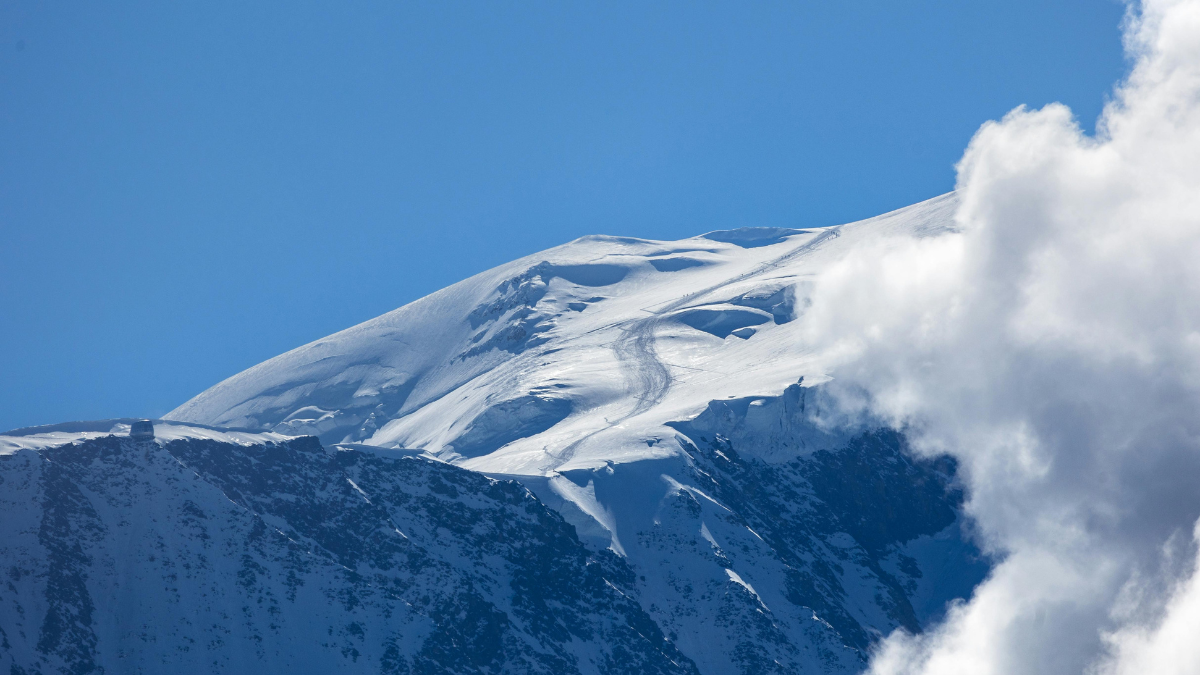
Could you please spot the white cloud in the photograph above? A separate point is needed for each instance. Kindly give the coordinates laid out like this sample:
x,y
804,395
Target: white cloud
x,y
1053,346
1169,645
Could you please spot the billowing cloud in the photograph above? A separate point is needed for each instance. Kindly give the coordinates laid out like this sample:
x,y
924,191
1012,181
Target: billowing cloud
x,y
1053,346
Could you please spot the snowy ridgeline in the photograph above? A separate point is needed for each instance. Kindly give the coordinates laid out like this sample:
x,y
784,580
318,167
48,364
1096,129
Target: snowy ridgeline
x,y
616,456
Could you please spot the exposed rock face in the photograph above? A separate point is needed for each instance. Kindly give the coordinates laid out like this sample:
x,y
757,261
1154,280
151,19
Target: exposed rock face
x,y
780,552
852,530
243,553
203,556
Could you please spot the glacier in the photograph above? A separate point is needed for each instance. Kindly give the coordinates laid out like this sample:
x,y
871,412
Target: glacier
x,y
613,456
567,359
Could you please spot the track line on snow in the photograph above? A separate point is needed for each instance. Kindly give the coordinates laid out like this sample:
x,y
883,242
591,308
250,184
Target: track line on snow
x,y
647,378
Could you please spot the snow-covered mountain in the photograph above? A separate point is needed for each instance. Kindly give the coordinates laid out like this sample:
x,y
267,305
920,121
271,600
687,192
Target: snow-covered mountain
x,y
572,358
613,456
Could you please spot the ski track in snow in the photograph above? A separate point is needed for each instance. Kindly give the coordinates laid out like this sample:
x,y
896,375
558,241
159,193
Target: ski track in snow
x,y
647,379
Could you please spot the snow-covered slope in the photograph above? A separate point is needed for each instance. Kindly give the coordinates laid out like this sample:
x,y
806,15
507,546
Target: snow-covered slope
x,y
566,359
655,397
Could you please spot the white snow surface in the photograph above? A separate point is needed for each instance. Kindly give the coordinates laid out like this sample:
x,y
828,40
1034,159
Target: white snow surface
x,y
572,358
52,436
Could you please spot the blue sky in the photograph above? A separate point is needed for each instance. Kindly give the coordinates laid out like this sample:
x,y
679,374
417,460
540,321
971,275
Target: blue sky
x,y
189,189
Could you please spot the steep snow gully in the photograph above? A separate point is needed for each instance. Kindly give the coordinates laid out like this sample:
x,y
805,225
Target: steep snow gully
x,y
615,456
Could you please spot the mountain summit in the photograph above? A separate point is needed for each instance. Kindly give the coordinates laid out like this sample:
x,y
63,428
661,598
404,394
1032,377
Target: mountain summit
x,y
572,358
615,456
